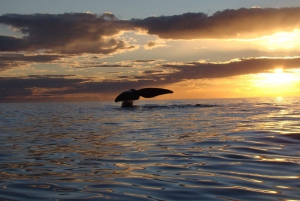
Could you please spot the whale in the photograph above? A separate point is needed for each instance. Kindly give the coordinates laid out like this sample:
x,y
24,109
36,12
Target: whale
x,y
127,97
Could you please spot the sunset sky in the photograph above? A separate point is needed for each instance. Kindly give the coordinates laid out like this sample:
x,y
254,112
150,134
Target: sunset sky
x,y
94,49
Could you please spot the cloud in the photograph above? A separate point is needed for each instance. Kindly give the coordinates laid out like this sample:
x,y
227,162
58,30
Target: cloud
x,y
112,66
9,43
8,61
195,70
150,45
153,71
39,88
78,33
241,23
154,44
96,64
22,88
107,66
58,86
144,61
29,58
69,33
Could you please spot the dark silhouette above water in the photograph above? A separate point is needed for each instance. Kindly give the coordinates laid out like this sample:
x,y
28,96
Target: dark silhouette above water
x,y
129,96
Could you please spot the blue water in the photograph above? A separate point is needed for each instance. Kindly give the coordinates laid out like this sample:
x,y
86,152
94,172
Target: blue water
x,y
227,149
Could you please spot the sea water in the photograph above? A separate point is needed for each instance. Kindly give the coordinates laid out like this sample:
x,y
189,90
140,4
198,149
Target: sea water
x,y
226,149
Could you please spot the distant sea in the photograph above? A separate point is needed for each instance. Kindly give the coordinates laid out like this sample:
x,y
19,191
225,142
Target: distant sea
x,y
223,149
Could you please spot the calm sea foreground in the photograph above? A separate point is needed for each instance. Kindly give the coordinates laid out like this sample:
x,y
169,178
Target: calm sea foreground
x,y
227,149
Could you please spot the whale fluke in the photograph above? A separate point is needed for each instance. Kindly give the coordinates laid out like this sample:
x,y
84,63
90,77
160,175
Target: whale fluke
x,y
128,96
152,92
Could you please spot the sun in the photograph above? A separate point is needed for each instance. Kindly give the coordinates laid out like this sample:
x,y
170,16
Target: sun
x,y
275,82
277,77
278,70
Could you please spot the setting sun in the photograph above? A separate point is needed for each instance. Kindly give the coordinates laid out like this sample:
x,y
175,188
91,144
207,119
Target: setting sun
x,y
276,82
278,70
277,77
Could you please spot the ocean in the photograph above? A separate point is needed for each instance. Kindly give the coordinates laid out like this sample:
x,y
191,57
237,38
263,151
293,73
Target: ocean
x,y
221,149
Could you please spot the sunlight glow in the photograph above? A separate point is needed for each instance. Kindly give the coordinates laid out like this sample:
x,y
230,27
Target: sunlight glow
x,y
276,78
276,83
282,40
278,70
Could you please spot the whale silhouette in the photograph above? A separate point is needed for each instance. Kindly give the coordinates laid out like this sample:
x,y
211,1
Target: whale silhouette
x,y
129,96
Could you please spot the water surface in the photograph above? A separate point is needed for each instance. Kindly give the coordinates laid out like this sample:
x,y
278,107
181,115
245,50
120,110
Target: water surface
x,y
229,149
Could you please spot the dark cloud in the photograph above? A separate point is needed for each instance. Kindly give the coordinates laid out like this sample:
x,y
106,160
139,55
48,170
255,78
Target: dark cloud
x,y
143,61
29,58
8,61
241,23
77,33
124,77
9,65
195,70
9,43
69,33
44,81
111,66
151,44
24,88
152,71
49,76
43,88
87,65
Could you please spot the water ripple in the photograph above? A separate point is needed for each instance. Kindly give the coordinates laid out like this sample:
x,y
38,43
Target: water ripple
x,y
225,150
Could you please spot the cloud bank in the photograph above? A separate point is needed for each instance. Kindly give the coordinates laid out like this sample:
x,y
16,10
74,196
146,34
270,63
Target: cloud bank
x,y
8,61
241,23
39,87
69,33
77,33
195,70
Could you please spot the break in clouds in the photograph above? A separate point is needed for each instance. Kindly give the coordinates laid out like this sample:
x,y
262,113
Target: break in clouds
x,y
52,37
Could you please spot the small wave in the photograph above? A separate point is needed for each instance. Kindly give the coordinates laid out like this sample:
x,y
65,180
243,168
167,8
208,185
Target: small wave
x,y
156,150
178,106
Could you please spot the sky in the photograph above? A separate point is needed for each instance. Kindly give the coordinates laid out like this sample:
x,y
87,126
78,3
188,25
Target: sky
x,y
71,50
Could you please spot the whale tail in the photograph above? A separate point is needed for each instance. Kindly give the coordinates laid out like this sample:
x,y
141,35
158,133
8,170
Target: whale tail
x,y
127,103
152,92
129,96
133,94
